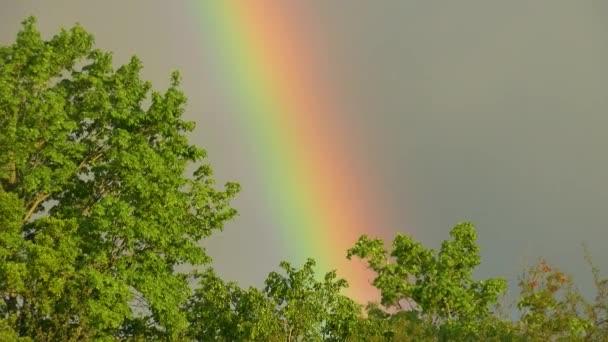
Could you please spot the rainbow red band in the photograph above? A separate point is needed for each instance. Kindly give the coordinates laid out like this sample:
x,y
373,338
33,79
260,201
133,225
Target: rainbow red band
x,y
321,198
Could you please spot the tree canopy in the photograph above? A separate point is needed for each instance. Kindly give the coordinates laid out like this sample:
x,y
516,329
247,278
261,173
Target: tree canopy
x,y
99,206
95,206
439,286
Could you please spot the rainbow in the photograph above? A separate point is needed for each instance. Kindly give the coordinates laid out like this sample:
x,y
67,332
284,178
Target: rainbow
x,y
305,155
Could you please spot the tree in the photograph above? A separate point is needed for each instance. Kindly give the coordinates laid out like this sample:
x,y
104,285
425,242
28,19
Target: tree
x,y
552,308
311,310
95,208
220,311
293,307
439,287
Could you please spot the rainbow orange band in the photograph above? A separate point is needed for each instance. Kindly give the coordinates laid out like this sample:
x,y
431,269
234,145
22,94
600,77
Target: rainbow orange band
x,y
321,196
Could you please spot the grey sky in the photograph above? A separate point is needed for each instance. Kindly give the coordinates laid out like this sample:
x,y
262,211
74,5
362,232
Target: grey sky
x,y
489,111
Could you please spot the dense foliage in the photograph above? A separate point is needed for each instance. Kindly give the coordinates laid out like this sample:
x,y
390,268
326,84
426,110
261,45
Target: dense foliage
x,y
97,210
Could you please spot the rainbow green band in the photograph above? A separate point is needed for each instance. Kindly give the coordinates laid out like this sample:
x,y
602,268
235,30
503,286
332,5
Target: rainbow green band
x,y
321,198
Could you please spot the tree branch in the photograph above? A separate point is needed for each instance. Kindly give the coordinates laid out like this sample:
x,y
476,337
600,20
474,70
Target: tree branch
x,y
12,173
30,212
91,159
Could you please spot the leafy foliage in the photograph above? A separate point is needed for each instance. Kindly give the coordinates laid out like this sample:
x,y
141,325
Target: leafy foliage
x,y
95,209
220,311
553,308
439,286
292,307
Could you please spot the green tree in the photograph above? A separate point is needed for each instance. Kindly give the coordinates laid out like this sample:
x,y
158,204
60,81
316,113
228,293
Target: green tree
x,y
438,286
401,326
294,306
95,208
220,311
311,310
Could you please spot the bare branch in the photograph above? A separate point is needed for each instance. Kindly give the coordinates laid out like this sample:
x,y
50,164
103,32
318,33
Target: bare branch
x,y
30,212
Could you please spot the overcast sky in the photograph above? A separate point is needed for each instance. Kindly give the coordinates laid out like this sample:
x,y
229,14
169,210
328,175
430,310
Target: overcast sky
x,y
488,111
